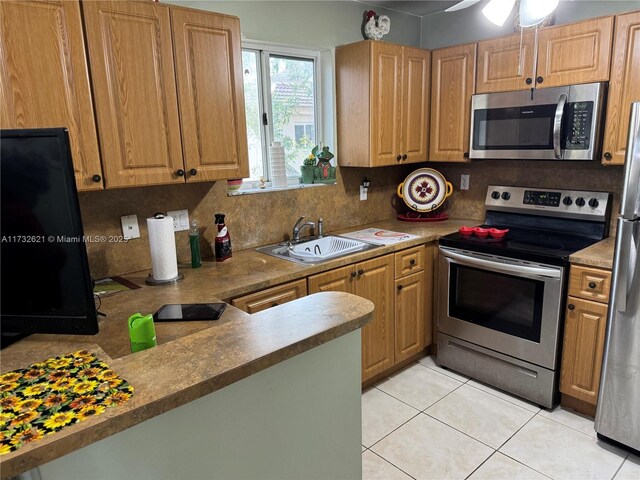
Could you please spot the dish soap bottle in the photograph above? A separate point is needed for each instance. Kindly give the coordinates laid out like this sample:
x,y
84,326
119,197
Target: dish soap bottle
x,y
194,243
223,241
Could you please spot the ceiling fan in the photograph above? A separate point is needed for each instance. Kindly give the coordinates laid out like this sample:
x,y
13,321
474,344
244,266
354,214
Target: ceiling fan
x,y
532,12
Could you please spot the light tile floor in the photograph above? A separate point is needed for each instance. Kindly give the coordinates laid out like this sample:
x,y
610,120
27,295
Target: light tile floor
x,y
427,422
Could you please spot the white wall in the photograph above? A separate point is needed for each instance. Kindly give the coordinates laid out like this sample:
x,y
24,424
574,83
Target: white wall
x,y
309,23
468,25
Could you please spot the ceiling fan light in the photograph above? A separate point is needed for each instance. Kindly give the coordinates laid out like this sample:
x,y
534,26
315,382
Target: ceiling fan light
x,y
497,11
532,12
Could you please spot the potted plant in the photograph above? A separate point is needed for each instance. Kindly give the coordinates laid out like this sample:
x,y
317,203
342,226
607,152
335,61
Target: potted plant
x,y
308,164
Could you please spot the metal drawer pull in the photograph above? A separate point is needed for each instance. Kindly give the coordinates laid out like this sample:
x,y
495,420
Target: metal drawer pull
x,y
592,284
571,306
399,287
412,262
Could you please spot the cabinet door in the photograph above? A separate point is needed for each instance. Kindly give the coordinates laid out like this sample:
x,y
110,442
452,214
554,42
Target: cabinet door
x,y
584,334
452,83
386,106
416,75
505,65
624,87
575,53
271,297
208,60
375,282
131,60
410,316
44,81
338,280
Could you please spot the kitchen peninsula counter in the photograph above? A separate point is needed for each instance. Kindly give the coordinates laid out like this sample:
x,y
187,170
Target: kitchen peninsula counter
x,y
597,255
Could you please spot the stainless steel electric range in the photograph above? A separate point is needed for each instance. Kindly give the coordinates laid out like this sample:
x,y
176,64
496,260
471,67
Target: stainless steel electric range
x,y
500,310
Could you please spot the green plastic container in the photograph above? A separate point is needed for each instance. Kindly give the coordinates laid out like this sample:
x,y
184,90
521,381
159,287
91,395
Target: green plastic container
x,y
142,332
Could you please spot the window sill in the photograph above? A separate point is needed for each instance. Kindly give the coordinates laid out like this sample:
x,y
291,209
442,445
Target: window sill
x,y
252,191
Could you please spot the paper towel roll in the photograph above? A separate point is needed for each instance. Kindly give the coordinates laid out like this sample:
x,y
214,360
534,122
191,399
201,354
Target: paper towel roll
x,y
162,241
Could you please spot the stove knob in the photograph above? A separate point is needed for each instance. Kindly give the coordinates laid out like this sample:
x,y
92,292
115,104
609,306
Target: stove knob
x,y
495,195
593,203
580,202
506,196
567,201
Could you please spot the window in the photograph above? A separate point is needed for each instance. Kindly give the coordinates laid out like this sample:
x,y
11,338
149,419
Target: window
x,y
281,105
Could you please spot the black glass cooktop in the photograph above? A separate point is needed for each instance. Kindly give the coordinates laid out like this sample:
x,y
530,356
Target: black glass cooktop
x,y
549,247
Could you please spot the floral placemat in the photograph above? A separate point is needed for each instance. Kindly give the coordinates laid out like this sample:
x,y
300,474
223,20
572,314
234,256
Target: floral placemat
x,y
50,395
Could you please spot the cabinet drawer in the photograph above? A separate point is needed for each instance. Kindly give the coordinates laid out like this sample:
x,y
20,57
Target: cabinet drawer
x,y
409,261
271,297
590,283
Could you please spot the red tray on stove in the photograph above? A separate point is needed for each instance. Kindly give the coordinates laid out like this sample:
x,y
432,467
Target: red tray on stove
x,y
422,217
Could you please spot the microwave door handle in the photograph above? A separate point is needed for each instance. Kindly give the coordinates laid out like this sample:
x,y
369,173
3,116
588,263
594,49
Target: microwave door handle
x,y
520,270
557,125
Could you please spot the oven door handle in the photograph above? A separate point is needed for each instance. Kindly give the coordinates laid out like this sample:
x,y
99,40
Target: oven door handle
x,y
520,270
557,125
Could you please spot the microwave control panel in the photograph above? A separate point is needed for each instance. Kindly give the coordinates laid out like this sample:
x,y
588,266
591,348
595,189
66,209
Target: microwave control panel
x,y
578,118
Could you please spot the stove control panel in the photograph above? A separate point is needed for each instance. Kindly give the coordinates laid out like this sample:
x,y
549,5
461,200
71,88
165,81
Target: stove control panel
x,y
549,202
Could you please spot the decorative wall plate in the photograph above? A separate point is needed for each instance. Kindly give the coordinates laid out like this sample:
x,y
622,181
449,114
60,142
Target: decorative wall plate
x,y
424,190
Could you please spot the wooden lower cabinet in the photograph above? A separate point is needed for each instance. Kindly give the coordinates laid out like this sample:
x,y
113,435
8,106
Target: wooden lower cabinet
x,y
271,297
373,280
401,327
410,316
583,349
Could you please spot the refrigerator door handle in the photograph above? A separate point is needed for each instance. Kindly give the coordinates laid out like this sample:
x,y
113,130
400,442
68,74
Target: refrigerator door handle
x,y
624,263
630,206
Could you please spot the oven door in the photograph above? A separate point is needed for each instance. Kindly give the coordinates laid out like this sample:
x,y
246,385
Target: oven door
x,y
507,305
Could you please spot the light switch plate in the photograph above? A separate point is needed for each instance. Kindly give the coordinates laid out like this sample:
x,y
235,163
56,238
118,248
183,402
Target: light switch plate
x,y
363,193
130,227
180,220
464,181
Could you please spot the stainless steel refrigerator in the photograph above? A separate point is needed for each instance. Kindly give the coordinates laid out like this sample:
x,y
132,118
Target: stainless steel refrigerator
x,y
618,413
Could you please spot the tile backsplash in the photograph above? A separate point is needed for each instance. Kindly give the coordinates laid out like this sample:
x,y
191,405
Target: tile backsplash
x,y
261,219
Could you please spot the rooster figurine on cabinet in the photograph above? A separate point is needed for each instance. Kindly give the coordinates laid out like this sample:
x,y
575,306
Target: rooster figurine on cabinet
x,y
374,26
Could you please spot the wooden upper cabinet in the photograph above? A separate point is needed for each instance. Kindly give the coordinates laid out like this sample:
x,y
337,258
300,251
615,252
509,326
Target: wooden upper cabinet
x,y
208,62
452,85
624,87
133,78
415,103
505,65
382,97
575,53
44,80
386,98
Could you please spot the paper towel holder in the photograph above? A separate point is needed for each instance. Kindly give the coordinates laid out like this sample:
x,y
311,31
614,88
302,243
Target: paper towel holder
x,y
170,281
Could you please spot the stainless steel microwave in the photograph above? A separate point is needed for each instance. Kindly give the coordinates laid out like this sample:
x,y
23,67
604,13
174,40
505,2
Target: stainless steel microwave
x,y
559,123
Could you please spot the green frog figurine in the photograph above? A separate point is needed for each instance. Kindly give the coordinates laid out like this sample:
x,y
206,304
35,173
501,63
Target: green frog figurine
x,y
324,172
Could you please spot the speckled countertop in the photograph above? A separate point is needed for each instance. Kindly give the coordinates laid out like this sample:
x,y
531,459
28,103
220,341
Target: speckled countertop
x,y
597,255
197,358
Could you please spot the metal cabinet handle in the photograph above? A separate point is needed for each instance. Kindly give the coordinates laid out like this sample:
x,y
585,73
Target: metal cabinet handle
x,y
528,81
399,157
193,171
180,173
96,178
608,156
539,80
404,157
592,284
465,154
412,262
353,274
360,272
571,306
399,287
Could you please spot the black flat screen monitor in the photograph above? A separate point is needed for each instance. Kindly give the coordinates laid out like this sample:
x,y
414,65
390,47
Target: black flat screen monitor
x,y
46,286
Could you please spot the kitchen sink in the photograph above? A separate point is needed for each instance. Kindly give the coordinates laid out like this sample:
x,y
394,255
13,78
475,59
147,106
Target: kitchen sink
x,y
316,250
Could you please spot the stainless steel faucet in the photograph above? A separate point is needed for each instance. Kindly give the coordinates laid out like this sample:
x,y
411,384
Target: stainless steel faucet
x,y
297,228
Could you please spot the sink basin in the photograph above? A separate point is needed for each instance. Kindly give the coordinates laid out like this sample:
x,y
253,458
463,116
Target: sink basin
x,y
316,250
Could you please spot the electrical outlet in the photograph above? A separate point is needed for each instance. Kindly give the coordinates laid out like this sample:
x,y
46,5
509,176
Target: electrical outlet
x,y
363,193
464,181
130,227
180,220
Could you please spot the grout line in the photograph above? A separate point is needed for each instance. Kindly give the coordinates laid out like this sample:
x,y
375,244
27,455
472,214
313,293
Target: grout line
x,y
483,462
572,428
442,371
399,426
460,431
625,459
439,400
396,398
391,463
528,466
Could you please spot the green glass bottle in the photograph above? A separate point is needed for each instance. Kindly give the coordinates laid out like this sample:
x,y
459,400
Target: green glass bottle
x,y
194,243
